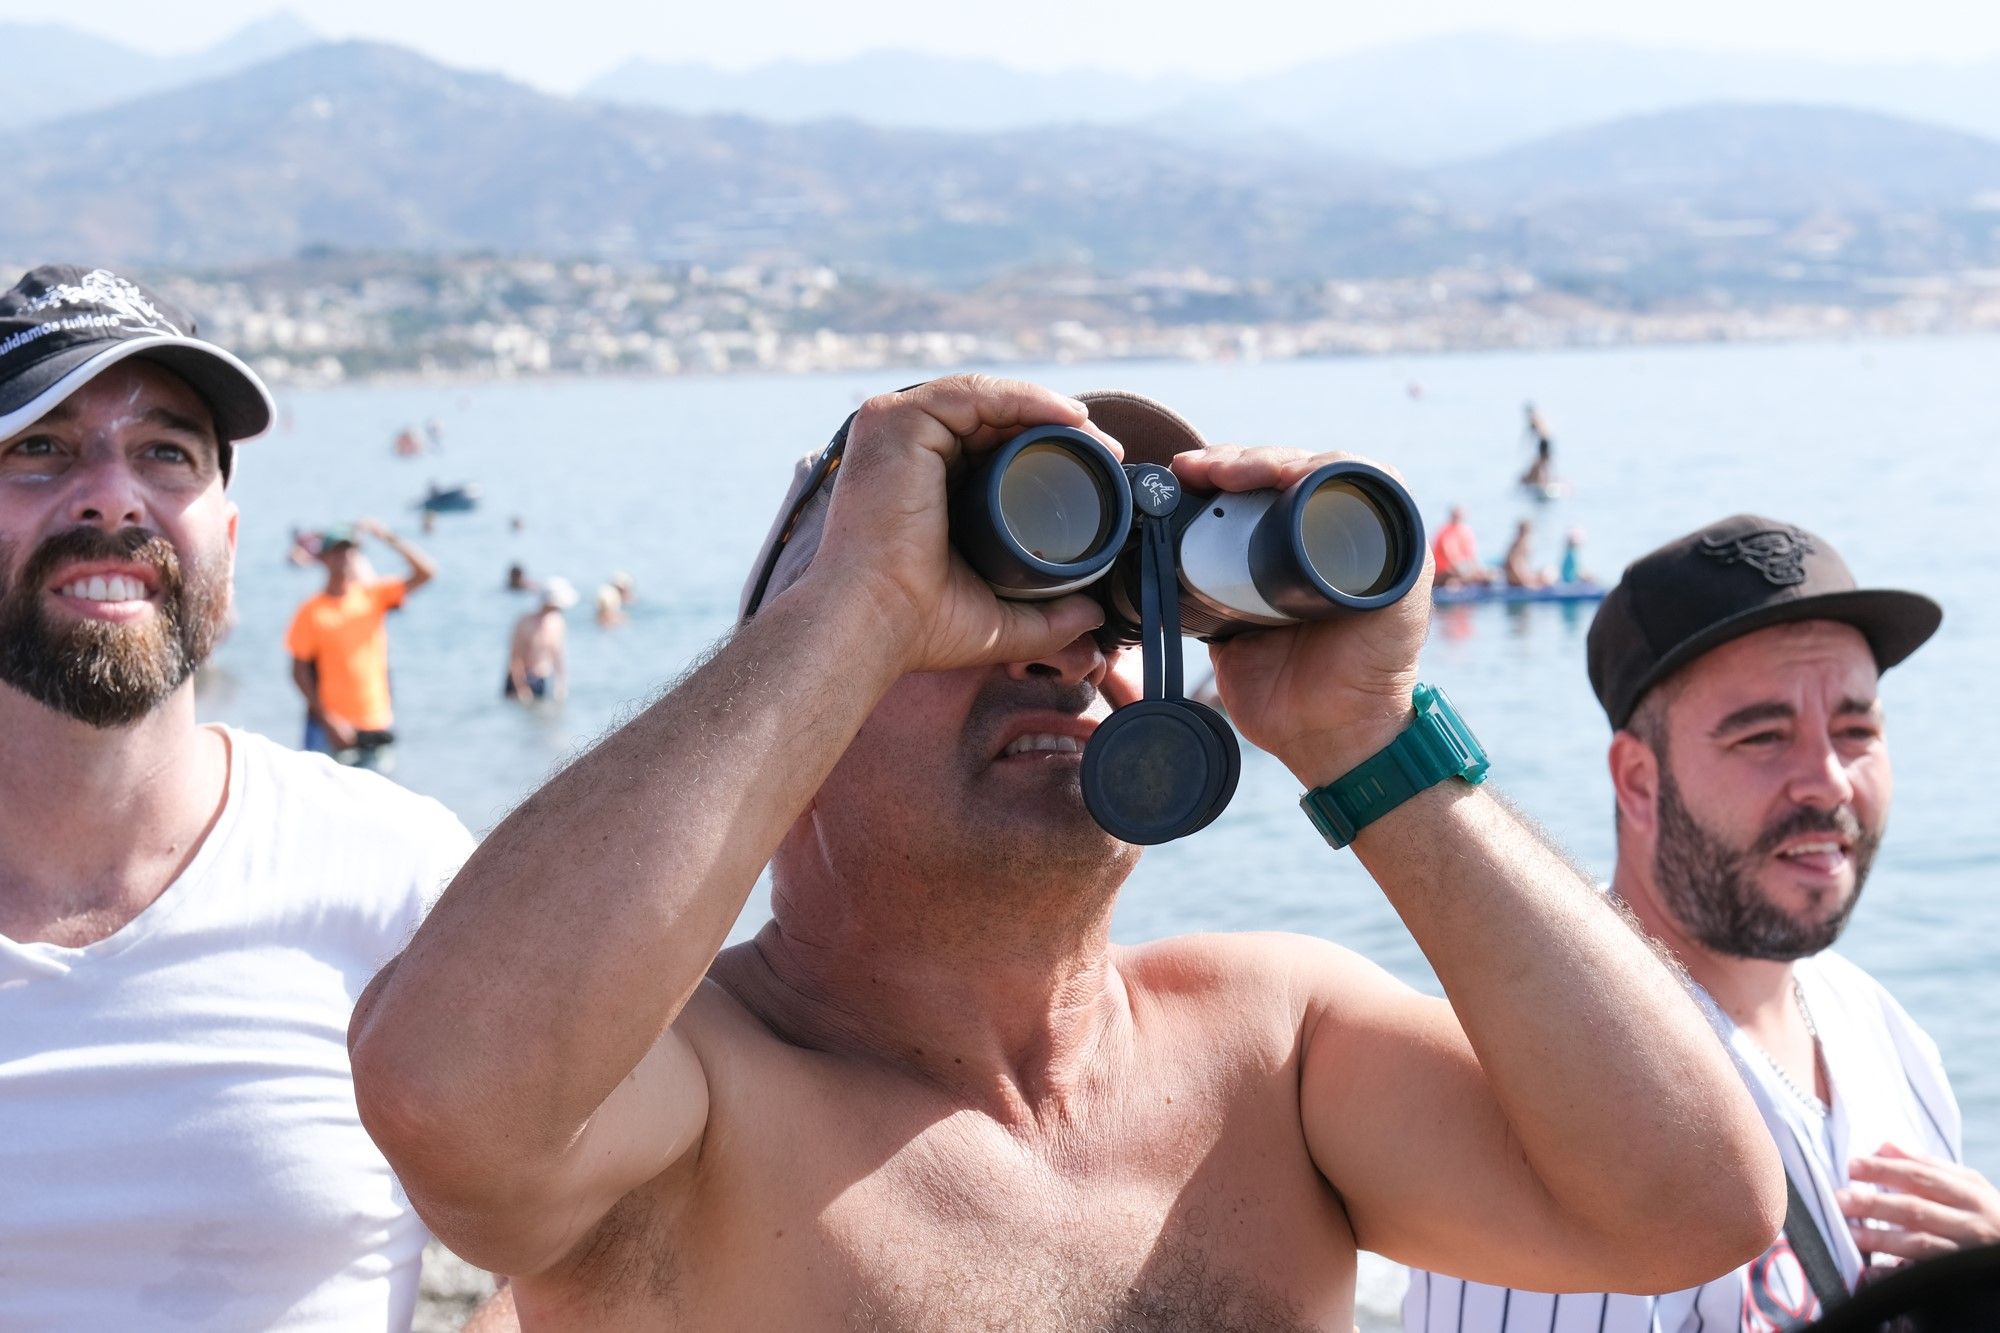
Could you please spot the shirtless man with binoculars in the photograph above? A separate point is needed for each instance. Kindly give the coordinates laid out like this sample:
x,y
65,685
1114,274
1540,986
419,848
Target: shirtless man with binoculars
x,y
931,1094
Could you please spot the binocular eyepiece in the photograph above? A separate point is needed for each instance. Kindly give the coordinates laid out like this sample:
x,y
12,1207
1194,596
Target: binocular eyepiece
x,y
1052,512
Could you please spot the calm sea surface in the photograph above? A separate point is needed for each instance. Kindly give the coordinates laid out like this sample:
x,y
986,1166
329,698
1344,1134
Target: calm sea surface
x,y
1886,448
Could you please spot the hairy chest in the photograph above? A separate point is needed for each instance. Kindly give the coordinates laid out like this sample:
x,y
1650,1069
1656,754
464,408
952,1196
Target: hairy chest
x,y
1175,1210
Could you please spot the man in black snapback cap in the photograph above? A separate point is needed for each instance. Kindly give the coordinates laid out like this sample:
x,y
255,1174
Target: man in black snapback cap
x,y
1738,666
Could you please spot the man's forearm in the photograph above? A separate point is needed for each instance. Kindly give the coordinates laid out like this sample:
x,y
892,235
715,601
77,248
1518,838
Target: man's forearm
x,y
1609,1077
579,928
421,565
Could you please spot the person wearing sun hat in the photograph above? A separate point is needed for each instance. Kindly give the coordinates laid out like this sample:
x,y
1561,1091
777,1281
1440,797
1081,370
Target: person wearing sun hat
x,y
1739,668
187,912
931,1093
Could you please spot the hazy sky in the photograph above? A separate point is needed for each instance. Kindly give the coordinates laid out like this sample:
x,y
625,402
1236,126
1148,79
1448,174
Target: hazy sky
x,y
559,45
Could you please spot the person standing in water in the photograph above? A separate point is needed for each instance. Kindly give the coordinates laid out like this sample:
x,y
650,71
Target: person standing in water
x,y
339,642
538,654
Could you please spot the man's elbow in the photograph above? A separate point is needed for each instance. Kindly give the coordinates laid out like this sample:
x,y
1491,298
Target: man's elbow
x,y
1744,1209
1697,1225
397,1088
487,1210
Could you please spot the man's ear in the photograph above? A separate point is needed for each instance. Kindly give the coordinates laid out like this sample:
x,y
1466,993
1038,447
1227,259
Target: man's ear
x,y
229,543
1635,782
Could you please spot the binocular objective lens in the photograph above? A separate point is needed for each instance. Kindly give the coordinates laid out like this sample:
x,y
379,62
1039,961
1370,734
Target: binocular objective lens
x,y
1347,538
1053,504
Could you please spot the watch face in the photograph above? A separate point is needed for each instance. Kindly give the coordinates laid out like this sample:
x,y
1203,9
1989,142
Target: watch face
x,y
1434,702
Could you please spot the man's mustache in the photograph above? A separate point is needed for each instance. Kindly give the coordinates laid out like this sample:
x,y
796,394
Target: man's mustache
x,y
1840,820
1001,699
136,546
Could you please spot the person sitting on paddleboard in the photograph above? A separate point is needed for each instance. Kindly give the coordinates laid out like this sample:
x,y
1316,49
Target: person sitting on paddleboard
x,y
1455,552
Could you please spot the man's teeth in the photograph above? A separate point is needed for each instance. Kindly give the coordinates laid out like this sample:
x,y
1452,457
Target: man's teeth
x,y
106,588
1027,744
1813,849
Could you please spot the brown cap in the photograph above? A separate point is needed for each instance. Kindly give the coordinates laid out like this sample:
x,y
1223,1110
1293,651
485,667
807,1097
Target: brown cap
x,y
1148,431
1740,574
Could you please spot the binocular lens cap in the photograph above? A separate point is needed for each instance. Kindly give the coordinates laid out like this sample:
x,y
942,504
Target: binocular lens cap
x,y
1157,770
1232,758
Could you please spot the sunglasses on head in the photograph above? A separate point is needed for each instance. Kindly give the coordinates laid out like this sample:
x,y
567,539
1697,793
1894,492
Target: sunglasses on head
x,y
821,474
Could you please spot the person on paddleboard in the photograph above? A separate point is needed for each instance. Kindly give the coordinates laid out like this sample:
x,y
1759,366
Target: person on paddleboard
x,y
1541,473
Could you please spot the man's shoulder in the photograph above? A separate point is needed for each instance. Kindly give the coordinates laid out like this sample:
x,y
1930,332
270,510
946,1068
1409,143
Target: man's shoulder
x,y
315,795
1243,964
1846,978
1840,970
1832,975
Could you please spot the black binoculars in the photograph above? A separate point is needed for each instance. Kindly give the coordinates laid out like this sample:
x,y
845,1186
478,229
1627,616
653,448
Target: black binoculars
x,y
1052,511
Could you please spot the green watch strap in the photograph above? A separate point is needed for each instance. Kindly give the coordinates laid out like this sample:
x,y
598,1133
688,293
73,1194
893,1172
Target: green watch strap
x,y
1435,746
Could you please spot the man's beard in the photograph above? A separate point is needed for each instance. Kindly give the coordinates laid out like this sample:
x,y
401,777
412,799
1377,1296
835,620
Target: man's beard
x,y
1711,888
105,673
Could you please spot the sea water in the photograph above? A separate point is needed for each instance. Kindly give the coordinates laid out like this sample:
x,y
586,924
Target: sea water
x,y
1886,449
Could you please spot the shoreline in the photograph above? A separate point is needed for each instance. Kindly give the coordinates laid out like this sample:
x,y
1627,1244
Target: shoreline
x,y
469,379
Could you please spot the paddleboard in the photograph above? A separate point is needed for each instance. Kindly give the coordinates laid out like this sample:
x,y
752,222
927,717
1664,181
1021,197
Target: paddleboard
x,y
1474,595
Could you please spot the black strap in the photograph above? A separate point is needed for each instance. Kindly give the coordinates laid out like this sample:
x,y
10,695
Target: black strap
x,y
1159,609
1810,1247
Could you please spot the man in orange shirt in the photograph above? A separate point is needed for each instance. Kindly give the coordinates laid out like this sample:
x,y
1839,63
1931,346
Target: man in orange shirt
x,y
339,643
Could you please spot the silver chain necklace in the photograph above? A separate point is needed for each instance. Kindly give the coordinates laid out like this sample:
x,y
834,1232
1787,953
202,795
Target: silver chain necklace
x,y
1809,1098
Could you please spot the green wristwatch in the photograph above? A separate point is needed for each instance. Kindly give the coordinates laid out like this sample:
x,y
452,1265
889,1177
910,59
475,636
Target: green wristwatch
x,y
1435,746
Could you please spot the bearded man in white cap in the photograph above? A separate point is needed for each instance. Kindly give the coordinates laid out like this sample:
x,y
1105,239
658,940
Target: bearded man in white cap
x,y
187,912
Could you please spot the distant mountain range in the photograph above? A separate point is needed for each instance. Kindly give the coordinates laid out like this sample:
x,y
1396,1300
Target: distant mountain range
x,y
372,147
367,147
1416,102
53,71
1735,161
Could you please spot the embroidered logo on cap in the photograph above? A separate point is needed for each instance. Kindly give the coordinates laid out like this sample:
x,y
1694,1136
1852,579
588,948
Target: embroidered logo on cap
x,y
1776,553
112,294
106,305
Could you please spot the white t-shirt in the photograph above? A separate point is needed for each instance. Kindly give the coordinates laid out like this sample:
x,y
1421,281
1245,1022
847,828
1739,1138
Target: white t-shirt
x,y
1888,1086
179,1147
